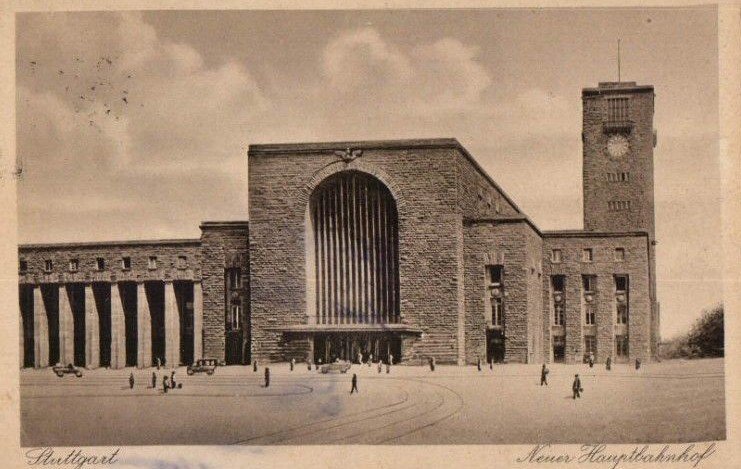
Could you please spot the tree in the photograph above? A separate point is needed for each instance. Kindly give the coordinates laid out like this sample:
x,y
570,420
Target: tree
x,y
707,333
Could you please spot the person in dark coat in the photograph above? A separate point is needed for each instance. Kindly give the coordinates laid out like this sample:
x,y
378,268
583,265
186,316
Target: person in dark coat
x,y
267,376
293,363
154,380
380,365
576,387
254,366
638,363
172,379
388,367
478,363
164,384
131,381
308,364
432,364
608,363
544,375
491,364
354,387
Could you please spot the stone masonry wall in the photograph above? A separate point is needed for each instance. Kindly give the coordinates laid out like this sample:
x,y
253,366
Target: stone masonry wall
x,y
223,244
604,266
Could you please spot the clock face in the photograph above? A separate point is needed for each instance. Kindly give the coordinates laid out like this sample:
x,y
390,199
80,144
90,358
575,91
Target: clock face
x,y
617,145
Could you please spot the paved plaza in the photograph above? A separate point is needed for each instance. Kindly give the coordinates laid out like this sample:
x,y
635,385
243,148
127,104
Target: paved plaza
x,y
674,401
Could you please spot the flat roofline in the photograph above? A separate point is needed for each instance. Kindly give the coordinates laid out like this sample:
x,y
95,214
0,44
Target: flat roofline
x,y
616,87
90,244
223,224
592,234
401,144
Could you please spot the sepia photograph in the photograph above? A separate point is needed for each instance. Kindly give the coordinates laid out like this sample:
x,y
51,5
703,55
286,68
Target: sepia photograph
x,y
475,226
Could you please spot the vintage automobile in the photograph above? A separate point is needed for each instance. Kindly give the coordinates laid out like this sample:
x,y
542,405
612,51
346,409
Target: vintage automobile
x,y
203,365
61,370
339,366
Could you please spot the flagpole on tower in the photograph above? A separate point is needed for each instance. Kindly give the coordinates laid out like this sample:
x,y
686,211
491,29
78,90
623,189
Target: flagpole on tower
x,y
618,62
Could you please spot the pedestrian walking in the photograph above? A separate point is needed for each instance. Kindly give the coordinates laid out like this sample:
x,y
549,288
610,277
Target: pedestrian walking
x,y
360,358
154,380
478,363
131,381
638,363
380,365
370,359
388,367
254,366
164,384
354,387
267,376
608,363
576,387
293,363
159,363
544,375
491,364
432,364
308,364
172,379
591,359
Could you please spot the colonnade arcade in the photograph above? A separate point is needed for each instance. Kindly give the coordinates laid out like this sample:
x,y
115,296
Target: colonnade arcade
x,y
111,324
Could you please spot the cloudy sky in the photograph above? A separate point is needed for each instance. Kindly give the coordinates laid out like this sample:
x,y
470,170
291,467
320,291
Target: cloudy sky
x,y
136,125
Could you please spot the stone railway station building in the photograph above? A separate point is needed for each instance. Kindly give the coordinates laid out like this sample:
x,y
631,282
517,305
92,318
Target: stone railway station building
x,y
404,248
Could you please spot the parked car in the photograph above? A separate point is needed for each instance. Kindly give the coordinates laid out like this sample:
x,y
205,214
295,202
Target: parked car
x,y
203,365
61,370
339,366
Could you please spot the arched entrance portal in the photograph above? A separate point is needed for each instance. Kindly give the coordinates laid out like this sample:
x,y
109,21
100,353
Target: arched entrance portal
x,y
353,232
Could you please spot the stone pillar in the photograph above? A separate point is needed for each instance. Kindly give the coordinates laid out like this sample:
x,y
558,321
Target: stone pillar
x,y
40,330
66,327
92,329
197,321
172,326
118,329
143,328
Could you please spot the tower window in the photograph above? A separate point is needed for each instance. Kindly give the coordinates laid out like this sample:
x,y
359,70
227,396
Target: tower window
x,y
496,311
587,255
152,263
618,177
557,283
48,265
495,275
621,345
619,254
100,263
590,344
558,314
617,109
622,313
555,256
22,266
557,286
618,205
621,283
234,278
74,265
126,263
496,293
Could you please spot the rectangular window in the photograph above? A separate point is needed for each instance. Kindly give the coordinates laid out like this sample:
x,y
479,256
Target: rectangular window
x,y
233,319
589,283
558,314
234,277
100,263
590,315
496,311
48,265
618,205
126,263
152,263
556,256
621,345
22,266
617,109
621,283
590,344
495,274
587,255
74,265
619,254
182,262
557,283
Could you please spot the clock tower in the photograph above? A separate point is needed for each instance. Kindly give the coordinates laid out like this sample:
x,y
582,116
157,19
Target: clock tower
x,y
618,168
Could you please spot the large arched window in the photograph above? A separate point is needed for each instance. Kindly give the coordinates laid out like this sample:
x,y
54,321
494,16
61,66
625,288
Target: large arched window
x,y
353,231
